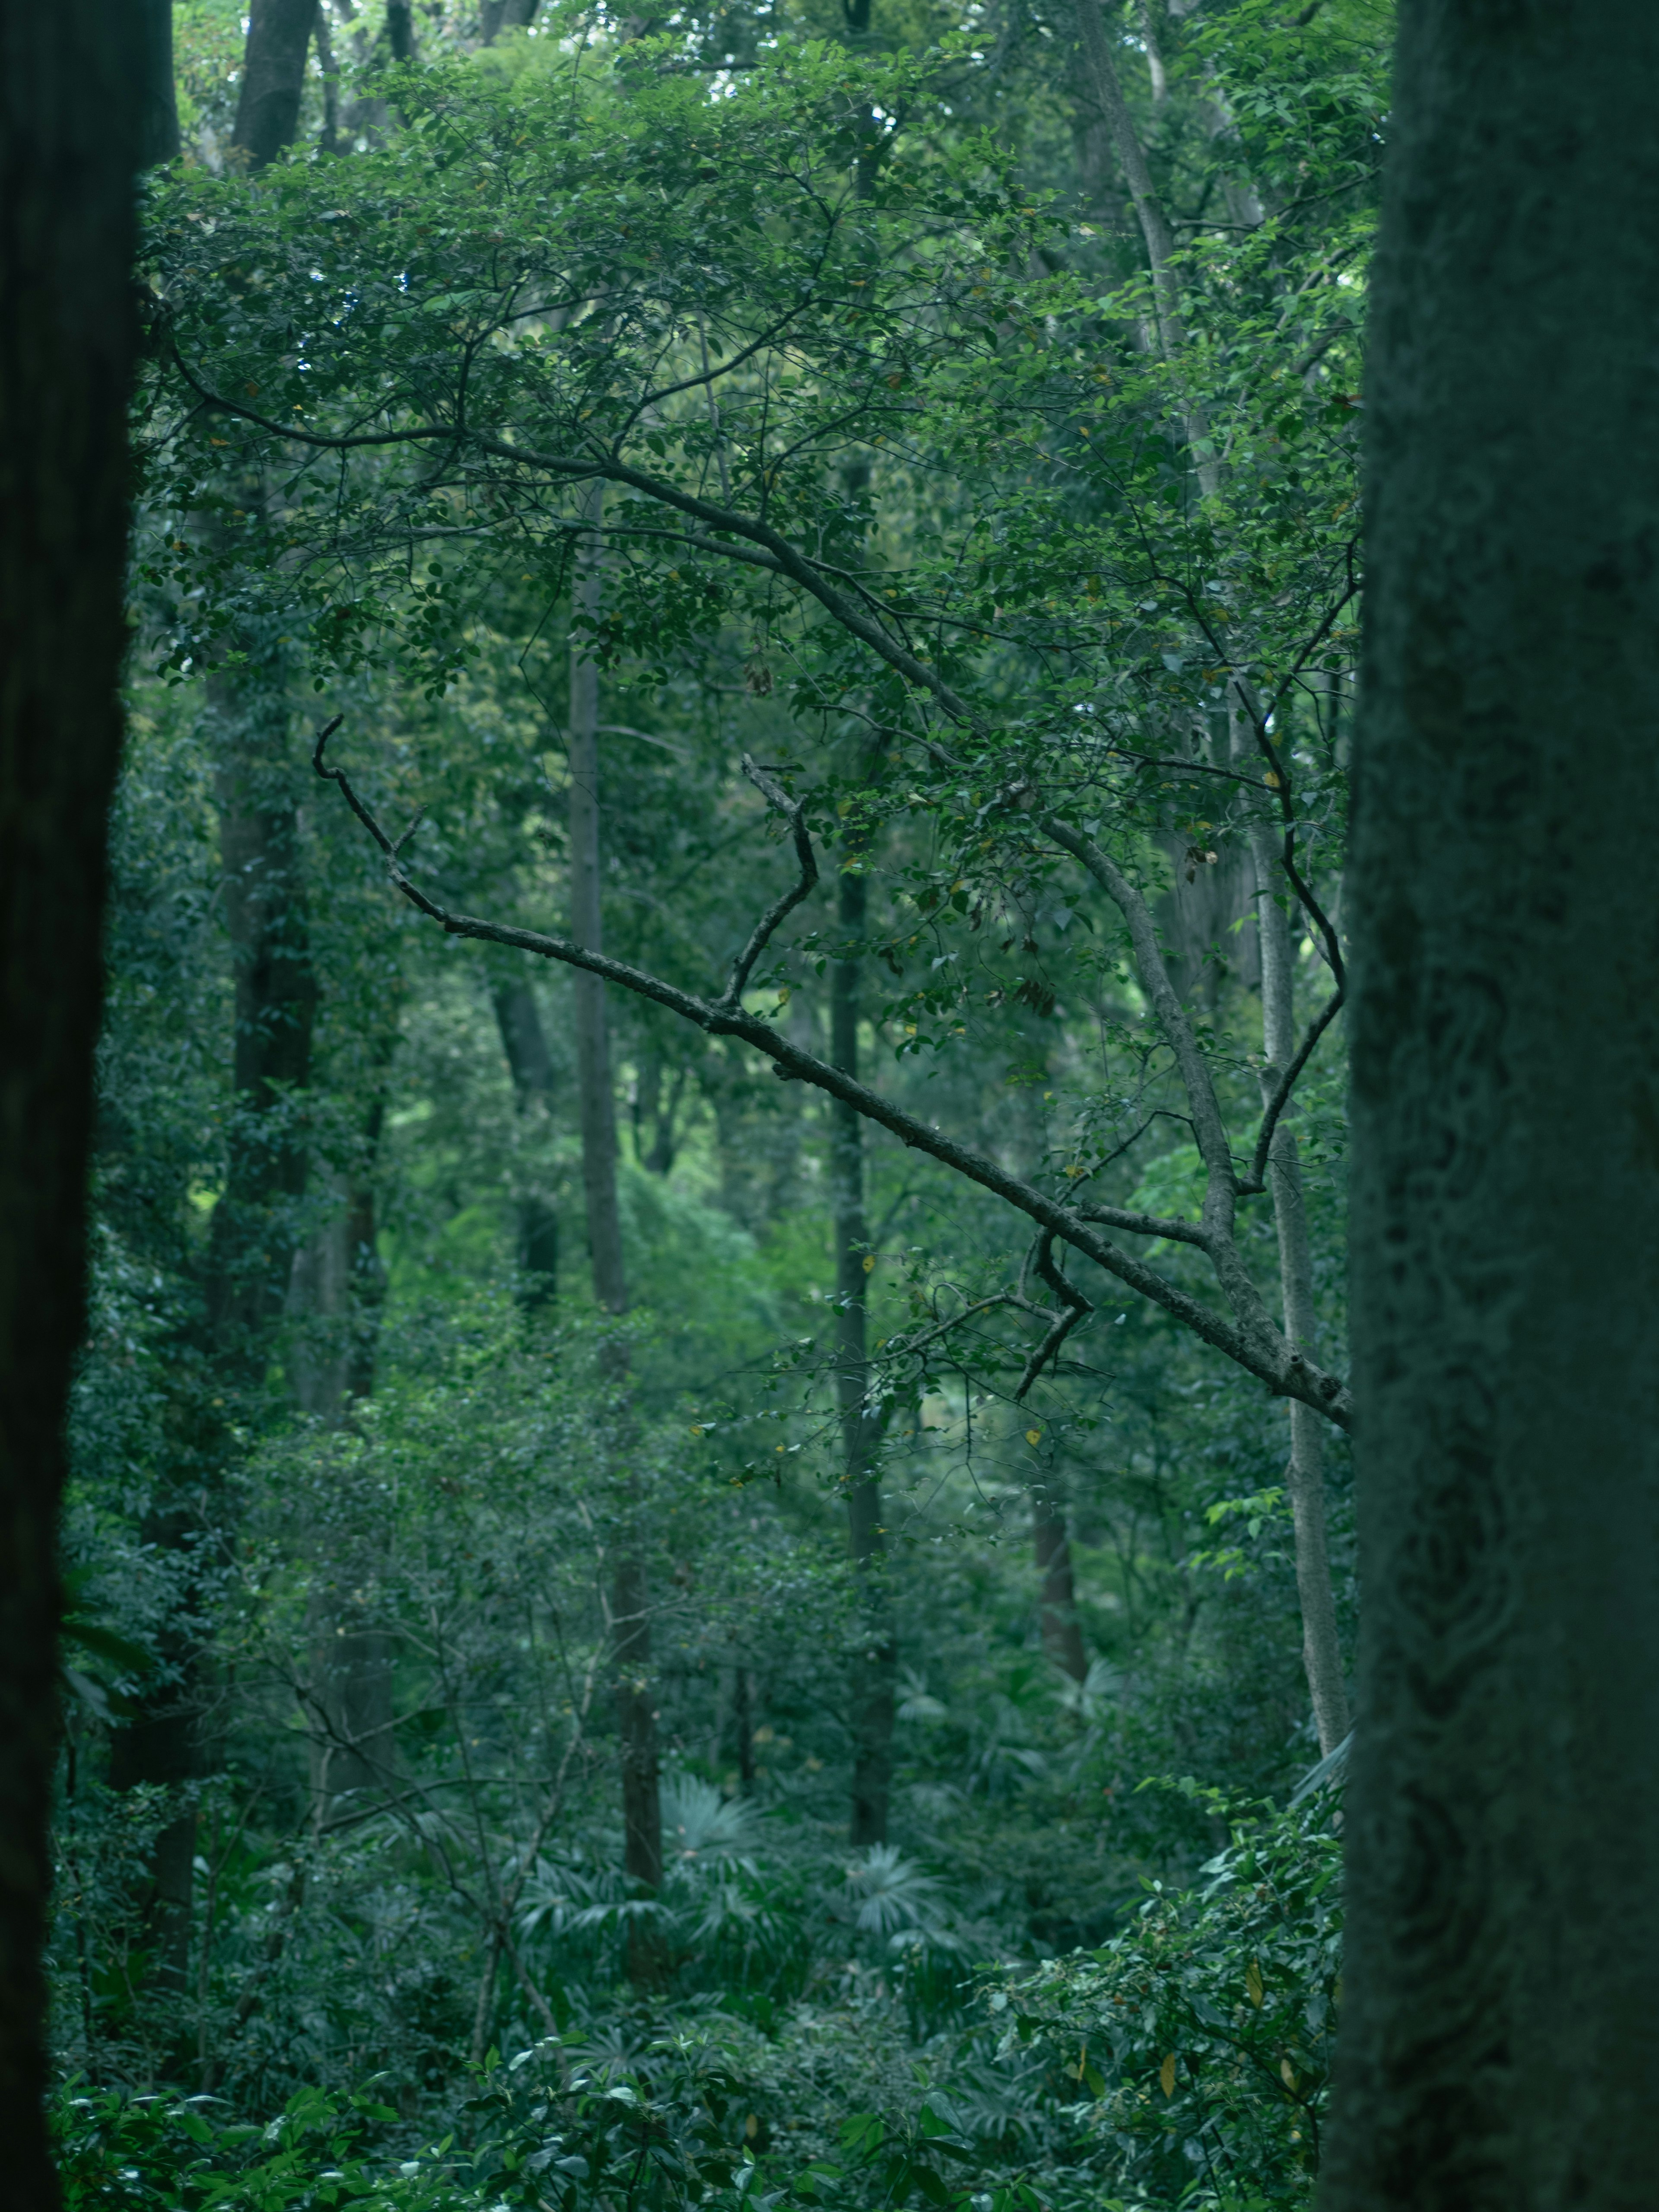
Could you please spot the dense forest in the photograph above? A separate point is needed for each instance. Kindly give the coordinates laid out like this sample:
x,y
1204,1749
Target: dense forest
x,y
710,1549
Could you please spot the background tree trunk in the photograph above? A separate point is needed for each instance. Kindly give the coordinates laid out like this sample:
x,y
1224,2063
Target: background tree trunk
x,y
631,1599
876,1663
254,1224
532,1066
1062,1635
1304,1476
70,84
1497,2042
496,16
159,118
273,78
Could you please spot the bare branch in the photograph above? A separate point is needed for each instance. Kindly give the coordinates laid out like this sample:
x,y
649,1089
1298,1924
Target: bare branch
x,y
1255,1182
1250,1340
1177,1230
1074,1309
793,812
905,1347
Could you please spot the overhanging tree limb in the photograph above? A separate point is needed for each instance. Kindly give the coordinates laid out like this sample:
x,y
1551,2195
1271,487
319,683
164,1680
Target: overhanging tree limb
x,y
1247,1338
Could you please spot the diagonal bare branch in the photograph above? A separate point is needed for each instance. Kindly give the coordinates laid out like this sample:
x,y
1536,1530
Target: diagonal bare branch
x,y
1249,1339
1073,1308
1252,1185
793,813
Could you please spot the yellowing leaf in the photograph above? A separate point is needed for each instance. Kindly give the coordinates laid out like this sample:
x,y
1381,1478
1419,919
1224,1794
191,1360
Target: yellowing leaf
x,y
1034,1436
1288,2074
1253,1982
1271,779
1166,2075
869,1261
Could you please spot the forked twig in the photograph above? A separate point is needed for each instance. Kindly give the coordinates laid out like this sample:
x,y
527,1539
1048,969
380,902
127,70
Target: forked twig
x,y
1074,1308
793,811
1255,1182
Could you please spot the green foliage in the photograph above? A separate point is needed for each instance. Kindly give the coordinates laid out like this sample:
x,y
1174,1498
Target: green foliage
x,y
1201,2039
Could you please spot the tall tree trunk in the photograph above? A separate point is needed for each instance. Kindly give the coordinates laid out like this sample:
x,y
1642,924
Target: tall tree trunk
x,y
876,1663
159,97
531,1067
1158,238
352,1742
337,1289
1498,2046
252,1246
496,16
1062,1635
1305,1479
631,1602
273,78
254,1224
70,81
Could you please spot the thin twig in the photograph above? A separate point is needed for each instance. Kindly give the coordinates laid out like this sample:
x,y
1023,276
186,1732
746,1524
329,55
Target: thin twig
x,y
793,812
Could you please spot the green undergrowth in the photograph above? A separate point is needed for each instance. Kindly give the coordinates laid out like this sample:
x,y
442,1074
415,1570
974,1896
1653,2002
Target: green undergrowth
x,y
1183,2063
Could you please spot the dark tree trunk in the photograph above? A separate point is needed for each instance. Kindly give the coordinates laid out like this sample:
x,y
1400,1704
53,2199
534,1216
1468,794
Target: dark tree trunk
x,y
631,1602
1062,1637
273,78
70,77
338,1289
254,1227
496,16
1498,2044
742,1722
875,1663
250,1257
368,1270
531,1066
159,122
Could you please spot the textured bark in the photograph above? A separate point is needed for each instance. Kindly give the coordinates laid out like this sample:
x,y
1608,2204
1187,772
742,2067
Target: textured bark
x,y
70,77
1304,1477
631,1602
273,78
875,1664
1498,2046
1062,1636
